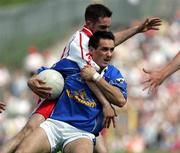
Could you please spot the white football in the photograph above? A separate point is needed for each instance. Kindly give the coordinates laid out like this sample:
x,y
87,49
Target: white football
x,y
53,79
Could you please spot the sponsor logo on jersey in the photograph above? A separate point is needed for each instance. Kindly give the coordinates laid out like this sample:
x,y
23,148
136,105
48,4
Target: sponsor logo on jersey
x,y
81,97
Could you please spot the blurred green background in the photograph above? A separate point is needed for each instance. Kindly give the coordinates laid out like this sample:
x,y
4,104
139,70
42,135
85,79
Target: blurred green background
x,y
43,22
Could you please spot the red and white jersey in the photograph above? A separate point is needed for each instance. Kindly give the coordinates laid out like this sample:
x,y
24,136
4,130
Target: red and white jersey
x,y
77,48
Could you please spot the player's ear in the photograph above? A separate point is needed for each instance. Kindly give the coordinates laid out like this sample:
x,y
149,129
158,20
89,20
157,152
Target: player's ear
x,y
91,50
89,24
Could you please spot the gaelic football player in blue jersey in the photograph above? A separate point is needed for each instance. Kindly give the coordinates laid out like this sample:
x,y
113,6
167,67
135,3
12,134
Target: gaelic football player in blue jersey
x,y
78,115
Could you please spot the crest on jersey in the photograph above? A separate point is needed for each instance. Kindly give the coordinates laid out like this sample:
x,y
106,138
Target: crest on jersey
x,y
120,80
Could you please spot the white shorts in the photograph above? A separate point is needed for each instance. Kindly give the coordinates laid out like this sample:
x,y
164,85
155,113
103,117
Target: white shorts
x,y
60,133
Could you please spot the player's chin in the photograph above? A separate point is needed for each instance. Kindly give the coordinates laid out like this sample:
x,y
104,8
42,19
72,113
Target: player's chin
x,y
105,64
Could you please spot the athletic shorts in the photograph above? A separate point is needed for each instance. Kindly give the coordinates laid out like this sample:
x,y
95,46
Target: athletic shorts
x,y
45,107
60,134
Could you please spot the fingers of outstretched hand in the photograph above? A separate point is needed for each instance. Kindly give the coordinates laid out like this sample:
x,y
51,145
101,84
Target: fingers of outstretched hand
x,y
149,83
153,89
2,104
151,24
146,71
145,87
154,20
146,81
2,107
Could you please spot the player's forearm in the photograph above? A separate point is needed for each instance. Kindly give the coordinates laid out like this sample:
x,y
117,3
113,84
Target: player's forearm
x,y
102,99
171,67
122,36
174,65
112,93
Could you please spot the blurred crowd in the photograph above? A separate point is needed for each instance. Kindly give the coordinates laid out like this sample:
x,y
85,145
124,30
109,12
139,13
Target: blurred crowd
x,y
146,121
149,121
15,93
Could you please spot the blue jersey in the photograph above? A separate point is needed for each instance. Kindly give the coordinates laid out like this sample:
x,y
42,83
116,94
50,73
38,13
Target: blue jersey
x,y
77,105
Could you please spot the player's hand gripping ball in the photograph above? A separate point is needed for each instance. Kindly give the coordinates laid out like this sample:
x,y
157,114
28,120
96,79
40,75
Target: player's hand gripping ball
x,y
53,79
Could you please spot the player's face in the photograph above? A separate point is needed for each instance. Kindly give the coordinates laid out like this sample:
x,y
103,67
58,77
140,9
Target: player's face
x,y
103,24
103,54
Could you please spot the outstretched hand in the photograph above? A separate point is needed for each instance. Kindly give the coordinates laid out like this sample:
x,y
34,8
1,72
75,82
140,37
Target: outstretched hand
x,y
150,24
153,81
2,107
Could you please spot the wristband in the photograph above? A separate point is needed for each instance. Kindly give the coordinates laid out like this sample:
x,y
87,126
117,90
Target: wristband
x,y
96,77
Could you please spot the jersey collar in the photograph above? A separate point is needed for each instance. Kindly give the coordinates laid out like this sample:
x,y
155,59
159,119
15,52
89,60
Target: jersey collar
x,y
87,31
104,71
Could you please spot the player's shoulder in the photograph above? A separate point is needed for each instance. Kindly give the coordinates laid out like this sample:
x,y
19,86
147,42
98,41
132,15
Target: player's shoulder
x,y
66,63
113,71
112,68
79,36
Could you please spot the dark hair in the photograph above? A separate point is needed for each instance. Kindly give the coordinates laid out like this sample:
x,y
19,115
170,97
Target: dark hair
x,y
94,11
95,38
